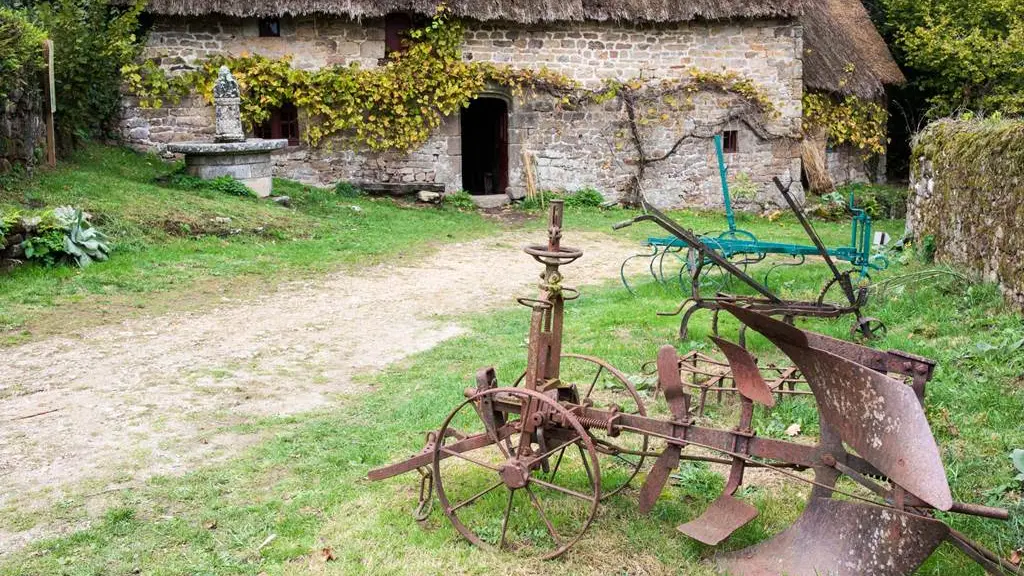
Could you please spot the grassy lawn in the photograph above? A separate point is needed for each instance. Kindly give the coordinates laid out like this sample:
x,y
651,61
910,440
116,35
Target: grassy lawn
x,y
299,503
177,249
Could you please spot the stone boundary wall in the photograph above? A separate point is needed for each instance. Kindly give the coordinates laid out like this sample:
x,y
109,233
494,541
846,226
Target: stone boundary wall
x,y
572,150
22,130
967,194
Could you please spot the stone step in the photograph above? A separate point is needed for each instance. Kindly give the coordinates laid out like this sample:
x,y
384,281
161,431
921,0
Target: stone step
x,y
488,201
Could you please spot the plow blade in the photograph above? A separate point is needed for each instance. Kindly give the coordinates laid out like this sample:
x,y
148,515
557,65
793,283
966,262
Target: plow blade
x,y
725,516
841,538
878,416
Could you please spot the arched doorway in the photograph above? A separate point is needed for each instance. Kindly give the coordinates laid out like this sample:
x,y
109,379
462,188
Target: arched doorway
x,y
485,146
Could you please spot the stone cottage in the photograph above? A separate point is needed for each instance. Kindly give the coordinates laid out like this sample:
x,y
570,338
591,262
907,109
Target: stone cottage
x,y
485,148
844,55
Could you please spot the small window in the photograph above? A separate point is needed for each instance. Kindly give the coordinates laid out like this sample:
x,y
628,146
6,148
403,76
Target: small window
x,y
396,33
731,141
283,123
270,27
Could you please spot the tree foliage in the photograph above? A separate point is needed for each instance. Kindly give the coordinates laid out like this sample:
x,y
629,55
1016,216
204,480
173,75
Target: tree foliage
x,y
21,52
962,54
92,40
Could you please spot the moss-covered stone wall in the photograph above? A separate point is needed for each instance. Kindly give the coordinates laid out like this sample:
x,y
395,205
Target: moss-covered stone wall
x,y
968,198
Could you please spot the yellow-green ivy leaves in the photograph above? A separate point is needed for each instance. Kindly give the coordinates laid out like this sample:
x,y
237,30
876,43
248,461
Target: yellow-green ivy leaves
x,y
398,105
852,120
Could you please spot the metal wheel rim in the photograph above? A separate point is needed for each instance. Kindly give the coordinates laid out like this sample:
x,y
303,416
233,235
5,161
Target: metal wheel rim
x,y
568,418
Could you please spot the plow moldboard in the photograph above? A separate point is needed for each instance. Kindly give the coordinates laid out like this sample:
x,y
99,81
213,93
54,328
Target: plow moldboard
x,y
841,538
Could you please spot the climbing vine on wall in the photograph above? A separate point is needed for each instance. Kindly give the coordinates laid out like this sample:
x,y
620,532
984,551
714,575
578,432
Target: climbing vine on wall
x,y
852,120
393,107
398,105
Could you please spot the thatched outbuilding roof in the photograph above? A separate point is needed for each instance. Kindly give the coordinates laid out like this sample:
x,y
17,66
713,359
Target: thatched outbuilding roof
x,y
521,11
843,51
838,33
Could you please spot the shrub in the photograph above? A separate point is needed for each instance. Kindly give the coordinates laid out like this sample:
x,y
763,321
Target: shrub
x,y
585,198
228,185
220,185
877,200
460,200
21,53
539,200
348,190
93,40
51,237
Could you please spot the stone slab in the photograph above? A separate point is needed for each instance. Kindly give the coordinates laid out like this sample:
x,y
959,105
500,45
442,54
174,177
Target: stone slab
x,y
249,146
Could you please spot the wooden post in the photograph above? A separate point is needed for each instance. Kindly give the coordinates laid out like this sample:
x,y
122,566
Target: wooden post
x,y
51,105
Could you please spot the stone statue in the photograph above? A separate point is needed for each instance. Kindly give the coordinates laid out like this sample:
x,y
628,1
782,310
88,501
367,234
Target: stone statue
x,y
227,108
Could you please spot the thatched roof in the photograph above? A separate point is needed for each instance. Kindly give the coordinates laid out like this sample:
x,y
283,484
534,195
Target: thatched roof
x,y
523,11
838,33
843,52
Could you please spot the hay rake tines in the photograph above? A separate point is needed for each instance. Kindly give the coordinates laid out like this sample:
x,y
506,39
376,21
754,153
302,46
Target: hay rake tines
x,y
524,468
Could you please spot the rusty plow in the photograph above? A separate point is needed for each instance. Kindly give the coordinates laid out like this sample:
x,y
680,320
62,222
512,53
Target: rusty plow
x,y
523,468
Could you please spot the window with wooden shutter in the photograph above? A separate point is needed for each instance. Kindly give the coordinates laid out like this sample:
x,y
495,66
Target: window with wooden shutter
x,y
396,33
283,124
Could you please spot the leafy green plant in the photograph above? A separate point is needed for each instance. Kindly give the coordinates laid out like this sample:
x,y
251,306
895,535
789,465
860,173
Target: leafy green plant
x,y
348,190
928,248
585,198
83,242
1017,456
538,201
220,185
46,247
228,185
460,200
743,187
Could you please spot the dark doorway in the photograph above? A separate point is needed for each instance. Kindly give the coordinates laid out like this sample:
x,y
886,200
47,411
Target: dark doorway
x,y
485,146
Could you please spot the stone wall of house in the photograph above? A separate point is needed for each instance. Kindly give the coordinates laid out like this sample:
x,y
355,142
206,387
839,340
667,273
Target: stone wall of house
x,y
571,149
22,130
846,165
967,200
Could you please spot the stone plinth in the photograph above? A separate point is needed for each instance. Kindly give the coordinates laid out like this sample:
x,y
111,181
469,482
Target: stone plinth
x,y
248,161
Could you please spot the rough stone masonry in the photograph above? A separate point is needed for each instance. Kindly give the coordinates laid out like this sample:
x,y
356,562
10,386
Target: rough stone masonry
x,y
572,149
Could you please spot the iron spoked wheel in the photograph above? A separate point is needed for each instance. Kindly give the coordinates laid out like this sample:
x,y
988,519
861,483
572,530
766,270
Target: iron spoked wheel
x,y
498,496
868,328
713,277
601,384
833,294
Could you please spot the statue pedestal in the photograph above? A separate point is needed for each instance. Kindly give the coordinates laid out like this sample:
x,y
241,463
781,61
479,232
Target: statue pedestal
x,y
248,161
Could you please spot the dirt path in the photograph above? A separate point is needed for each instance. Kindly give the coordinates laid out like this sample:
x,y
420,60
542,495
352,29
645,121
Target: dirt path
x,y
148,396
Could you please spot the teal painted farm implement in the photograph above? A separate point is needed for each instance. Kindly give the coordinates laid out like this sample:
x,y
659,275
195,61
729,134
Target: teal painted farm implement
x,y
838,297
744,248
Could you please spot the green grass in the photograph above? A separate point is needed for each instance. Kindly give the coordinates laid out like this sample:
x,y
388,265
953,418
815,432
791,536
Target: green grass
x,y
306,485
175,241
